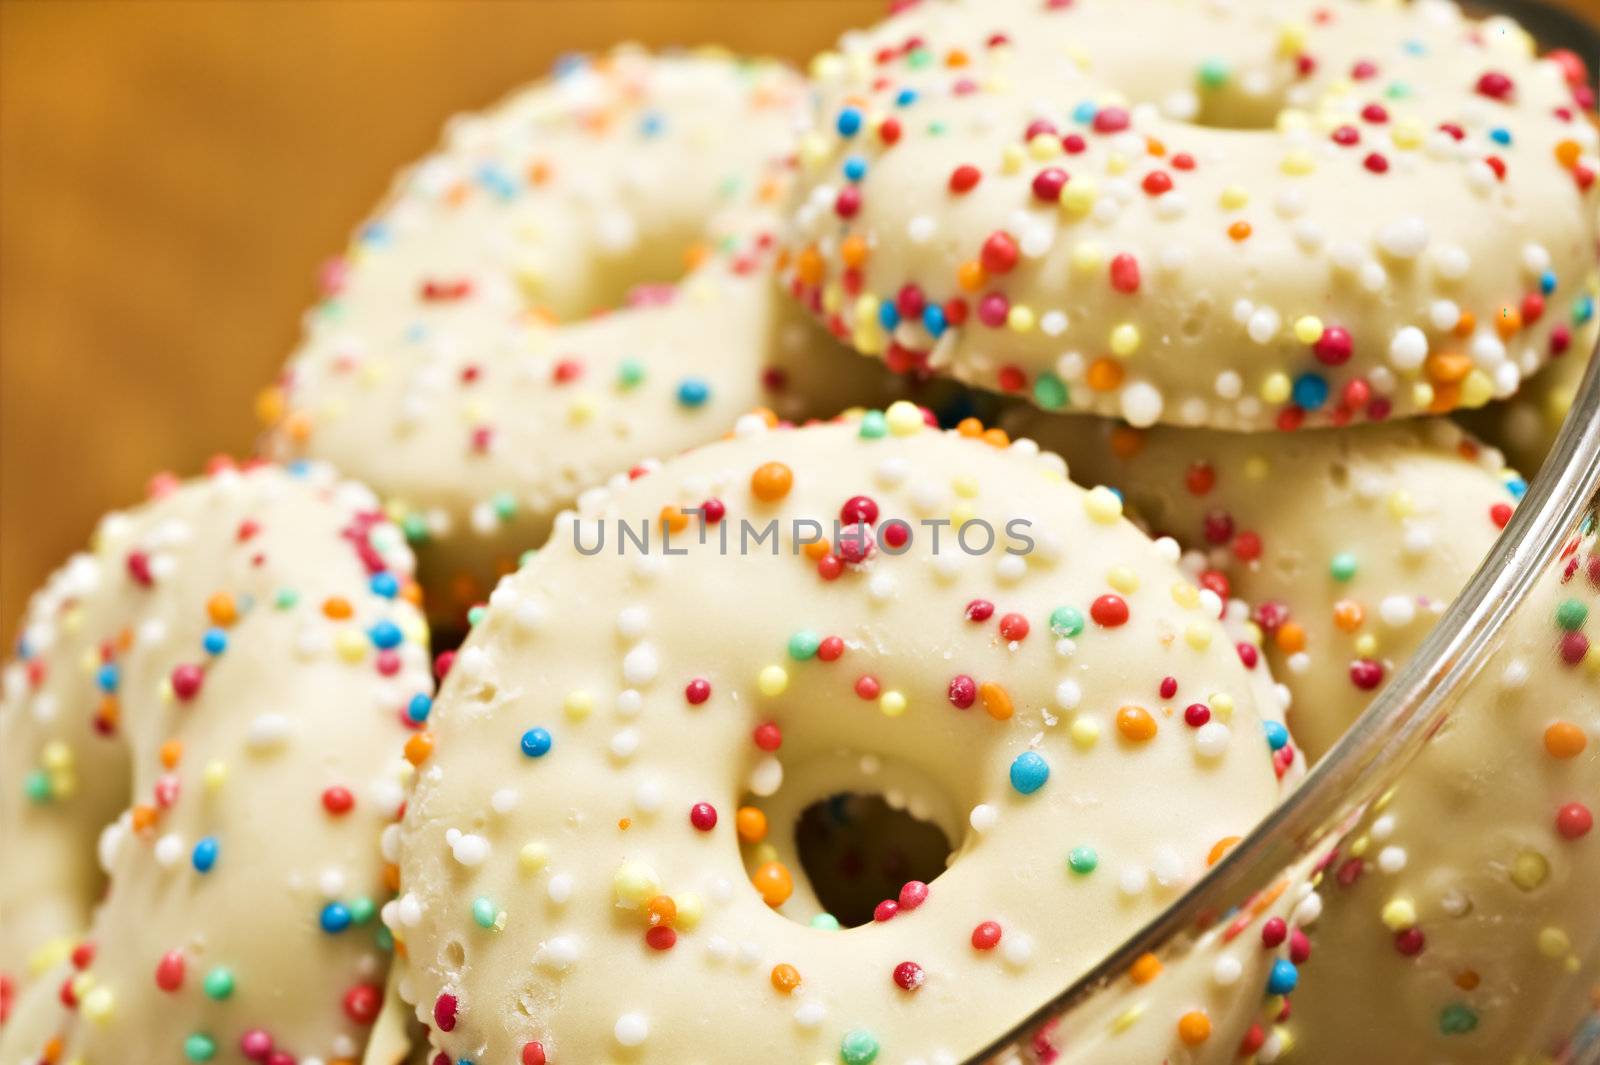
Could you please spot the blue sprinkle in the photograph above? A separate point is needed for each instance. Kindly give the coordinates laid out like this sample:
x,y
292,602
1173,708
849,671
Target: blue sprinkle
x,y
855,168
1547,282
205,854
653,124
1583,310
385,634
108,677
215,641
335,917
849,123
905,98
933,320
693,392
569,63
384,584
888,314
419,707
1284,977
1415,47
299,468
1085,112
1500,135
1029,772
1310,391
374,233
1517,487
1277,735
498,182
536,743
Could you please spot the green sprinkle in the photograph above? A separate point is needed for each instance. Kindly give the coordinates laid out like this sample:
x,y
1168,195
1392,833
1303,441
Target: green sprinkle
x,y
1214,73
1398,91
37,786
1083,860
630,373
384,939
1050,392
505,505
919,58
1457,1019
803,645
827,922
484,913
1066,621
219,984
199,1047
527,556
1571,615
1343,566
874,425
415,528
858,1048
286,599
362,910
475,615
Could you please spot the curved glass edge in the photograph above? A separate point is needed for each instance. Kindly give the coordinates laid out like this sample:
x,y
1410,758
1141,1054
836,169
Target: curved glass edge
x,y
1378,748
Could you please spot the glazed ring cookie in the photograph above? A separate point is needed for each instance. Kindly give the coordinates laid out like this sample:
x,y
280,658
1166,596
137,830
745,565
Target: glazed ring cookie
x,y
1249,215
460,362
584,865
1459,921
199,745
1347,544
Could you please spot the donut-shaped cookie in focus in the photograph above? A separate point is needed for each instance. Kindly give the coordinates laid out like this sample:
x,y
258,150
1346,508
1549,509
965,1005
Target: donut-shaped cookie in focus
x,y
587,860
1347,544
578,279
200,746
1240,216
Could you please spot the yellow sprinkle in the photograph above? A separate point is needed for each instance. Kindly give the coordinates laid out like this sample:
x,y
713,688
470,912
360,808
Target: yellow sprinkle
x,y
1128,1017
1275,388
1186,595
215,775
1529,870
866,310
50,954
98,1005
582,409
1087,257
869,339
1400,504
1102,505
1407,134
1085,731
960,514
892,703
763,853
1042,146
965,486
1078,195
1291,40
533,856
1197,635
1012,159
1298,162
1125,339
1221,704
1360,845
1553,942
1476,390
1123,579
1020,319
813,151
1308,329
691,907
1234,197
1399,914
350,645
635,884
833,296
772,681
578,704
56,755
1366,645
1257,467
1116,163
904,418
1422,394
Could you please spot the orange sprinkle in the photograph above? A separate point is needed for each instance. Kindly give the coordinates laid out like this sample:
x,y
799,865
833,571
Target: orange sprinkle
x,y
419,747
970,427
1563,739
1291,637
1567,153
1465,324
673,519
1220,848
1348,615
222,609
970,275
538,172
771,481
1447,367
391,877
785,978
774,883
1135,723
270,406
955,59
52,1049
171,753
1446,398
298,428
1155,147
411,592
1194,1028
853,252
144,817
808,266
624,823
996,437
995,700
109,710
695,255
1467,979
336,608
1105,374
1507,322
815,549
1240,230
751,824
661,910
1145,968
1126,441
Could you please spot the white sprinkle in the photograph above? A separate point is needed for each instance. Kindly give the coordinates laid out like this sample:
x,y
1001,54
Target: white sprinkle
x,y
625,742
267,732
1263,325
632,622
648,796
767,777
983,817
1211,739
1392,859
1397,611
1018,949
558,952
1404,238
503,801
1226,971
1132,880
1408,348
810,1014
469,849
560,888
1069,694
1141,404
640,665
921,229
632,1029
169,850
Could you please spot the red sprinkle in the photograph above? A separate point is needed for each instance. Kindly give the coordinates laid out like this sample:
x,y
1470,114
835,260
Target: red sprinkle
x,y
908,976
444,1012
1574,821
337,800
186,681
533,1054
964,178
1014,627
169,971
963,691
1495,85
913,893
768,736
1109,611
1125,273
697,691
986,935
661,937
362,1002
980,610
703,816
999,254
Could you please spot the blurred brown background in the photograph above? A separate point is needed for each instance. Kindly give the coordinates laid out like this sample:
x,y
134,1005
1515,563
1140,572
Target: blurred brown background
x,y
171,173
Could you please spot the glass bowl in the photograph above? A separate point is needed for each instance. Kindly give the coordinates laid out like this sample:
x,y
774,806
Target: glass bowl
x,y
1291,864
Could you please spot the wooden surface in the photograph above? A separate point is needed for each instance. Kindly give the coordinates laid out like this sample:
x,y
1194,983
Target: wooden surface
x,y
172,172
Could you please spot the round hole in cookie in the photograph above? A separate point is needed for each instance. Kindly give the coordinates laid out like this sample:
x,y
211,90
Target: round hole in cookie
x,y
856,850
